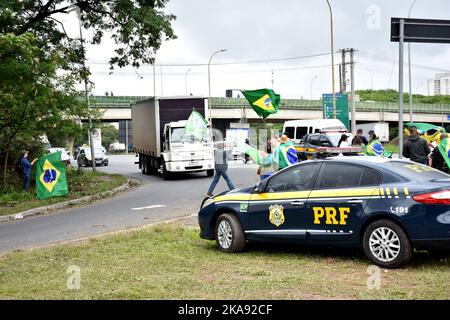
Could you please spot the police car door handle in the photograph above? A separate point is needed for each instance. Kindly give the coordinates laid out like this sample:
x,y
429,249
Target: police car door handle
x,y
354,201
297,203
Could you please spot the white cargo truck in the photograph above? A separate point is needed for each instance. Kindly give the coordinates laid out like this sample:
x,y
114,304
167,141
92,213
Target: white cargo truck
x,y
160,140
381,129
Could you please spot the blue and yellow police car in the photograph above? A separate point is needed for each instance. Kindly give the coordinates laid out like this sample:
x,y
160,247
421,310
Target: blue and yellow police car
x,y
387,207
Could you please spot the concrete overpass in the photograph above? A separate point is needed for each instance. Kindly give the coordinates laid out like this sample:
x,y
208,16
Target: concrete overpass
x,y
228,110
238,109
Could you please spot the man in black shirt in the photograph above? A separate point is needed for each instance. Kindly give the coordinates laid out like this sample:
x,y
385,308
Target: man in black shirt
x,y
416,148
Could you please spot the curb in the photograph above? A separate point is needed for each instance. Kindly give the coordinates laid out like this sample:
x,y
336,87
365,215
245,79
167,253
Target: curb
x,y
69,203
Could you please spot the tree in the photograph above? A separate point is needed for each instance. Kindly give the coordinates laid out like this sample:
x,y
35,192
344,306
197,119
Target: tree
x,y
138,27
110,134
34,97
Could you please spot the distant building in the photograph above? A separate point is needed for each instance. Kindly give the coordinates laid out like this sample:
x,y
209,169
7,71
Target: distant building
x,y
440,85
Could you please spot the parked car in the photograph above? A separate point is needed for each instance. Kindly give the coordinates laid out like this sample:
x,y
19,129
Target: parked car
x,y
84,157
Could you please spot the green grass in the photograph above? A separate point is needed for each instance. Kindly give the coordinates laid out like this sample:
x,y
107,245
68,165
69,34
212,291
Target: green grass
x,y
81,183
172,262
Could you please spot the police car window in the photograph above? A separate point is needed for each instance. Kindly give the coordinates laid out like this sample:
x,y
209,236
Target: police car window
x,y
296,179
301,131
340,176
290,132
370,178
416,172
325,142
314,140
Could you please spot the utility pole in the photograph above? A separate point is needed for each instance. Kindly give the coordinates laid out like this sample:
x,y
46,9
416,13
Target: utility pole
x,y
332,59
352,77
343,72
400,88
154,80
85,76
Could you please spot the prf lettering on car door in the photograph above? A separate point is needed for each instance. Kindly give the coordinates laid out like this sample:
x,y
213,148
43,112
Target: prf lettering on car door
x,y
331,215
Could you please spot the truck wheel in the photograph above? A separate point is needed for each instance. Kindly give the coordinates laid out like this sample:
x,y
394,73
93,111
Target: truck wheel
x,y
165,173
152,168
210,173
386,244
144,166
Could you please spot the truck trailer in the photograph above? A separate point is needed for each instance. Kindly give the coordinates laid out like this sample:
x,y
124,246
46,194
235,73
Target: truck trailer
x,y
160,140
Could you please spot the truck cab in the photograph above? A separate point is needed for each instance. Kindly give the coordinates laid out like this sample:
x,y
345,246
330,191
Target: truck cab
x,y
183,152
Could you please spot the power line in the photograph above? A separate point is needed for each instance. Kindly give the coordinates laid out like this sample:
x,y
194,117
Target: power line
x,y
224,63
382,58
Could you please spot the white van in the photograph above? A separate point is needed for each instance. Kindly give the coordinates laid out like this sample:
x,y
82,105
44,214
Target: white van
x,y
297,129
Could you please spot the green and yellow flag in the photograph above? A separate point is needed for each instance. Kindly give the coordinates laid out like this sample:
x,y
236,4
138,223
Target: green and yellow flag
x,y
196,125
264,101
51,177
444,149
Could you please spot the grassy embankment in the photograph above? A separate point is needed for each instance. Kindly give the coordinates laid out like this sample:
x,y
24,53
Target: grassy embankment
x,y
171,262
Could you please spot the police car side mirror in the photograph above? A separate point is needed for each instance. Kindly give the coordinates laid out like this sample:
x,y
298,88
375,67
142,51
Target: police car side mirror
x,y
259,188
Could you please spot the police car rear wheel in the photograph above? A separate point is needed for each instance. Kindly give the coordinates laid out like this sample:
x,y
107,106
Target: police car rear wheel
x,y
386,244
229,234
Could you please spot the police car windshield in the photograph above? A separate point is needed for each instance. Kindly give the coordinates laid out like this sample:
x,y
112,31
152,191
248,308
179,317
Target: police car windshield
x,y
417,172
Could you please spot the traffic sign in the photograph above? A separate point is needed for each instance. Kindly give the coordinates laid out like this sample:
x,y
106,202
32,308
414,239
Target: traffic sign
x,y
341,107
421,30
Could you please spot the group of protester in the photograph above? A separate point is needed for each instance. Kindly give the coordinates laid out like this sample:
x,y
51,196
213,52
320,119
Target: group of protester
x,y
280,153
418,149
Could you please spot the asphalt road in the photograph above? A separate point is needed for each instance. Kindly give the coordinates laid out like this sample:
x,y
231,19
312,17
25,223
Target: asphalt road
x,y
153,201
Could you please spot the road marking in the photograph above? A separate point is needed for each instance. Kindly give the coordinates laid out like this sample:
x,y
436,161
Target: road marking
x,y
150,207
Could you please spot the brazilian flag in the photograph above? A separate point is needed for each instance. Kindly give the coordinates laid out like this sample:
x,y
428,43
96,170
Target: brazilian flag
x,y
375,148
264,101
51,176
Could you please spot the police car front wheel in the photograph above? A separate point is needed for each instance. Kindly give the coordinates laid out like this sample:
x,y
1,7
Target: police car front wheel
x,y
229,234
386,244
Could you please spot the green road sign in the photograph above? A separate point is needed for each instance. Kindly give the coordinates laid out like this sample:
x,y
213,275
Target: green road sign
x,y
341,107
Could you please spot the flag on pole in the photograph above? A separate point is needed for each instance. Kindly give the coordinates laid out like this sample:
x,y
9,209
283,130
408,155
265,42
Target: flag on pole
x,y
51,177
196,125
264,101
253,153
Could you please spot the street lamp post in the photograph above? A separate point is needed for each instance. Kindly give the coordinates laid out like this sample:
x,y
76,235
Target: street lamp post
x,y
209,84
91,139
332,59
409,70
312,86
185,80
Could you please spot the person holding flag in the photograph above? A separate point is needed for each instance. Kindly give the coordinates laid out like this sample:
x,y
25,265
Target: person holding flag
x,y
25,166
284,153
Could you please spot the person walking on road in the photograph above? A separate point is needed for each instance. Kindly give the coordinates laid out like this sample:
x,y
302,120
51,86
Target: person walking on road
x,y
221,167
416,148
26,165
247,157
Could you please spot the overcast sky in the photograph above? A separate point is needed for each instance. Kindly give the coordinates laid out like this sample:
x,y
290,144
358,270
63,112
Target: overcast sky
x,y
255,30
